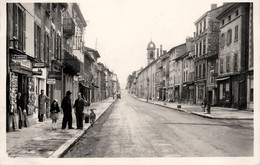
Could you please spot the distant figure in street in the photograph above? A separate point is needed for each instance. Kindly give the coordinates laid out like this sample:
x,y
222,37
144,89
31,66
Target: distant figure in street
x,y
42,105
79,108
203,105
67,109
92,117
54,113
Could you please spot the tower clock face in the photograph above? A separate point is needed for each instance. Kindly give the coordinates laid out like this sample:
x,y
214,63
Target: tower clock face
x,y
151,45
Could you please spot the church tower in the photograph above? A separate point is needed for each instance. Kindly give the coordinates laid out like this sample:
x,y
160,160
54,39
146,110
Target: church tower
x,y
150,52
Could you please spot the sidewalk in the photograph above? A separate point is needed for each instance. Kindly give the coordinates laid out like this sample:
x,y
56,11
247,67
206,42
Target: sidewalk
x,y
216,112
39,140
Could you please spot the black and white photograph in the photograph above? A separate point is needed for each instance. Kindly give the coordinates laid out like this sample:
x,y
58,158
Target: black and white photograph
x,y
130,82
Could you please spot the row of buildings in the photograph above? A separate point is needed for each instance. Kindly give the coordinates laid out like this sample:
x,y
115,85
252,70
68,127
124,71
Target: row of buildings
x,y
45,49
216,64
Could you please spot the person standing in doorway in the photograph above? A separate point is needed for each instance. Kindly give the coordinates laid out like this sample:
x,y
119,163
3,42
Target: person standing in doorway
x,y
42,105
67,109
79,108
20,107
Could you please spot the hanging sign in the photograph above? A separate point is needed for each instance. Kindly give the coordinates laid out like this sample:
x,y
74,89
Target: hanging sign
x,y
51,81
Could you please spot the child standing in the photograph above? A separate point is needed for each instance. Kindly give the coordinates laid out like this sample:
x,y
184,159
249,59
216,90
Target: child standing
x,y
92,117
54,113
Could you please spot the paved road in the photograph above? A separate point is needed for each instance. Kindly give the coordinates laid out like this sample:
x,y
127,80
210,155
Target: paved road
x,y
132,128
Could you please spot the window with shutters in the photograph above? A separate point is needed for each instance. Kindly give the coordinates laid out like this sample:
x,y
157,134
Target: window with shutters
x,y
228,63
236,33
235,62
37,43
199,71
229,37
204,46
204,70
46,48
19,30
222,41
221,65
200,49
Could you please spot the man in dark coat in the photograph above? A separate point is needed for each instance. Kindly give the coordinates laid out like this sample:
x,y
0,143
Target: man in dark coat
x,y
67,109
79,108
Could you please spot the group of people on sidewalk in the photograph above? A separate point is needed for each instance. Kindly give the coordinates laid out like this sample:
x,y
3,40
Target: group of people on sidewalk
x,y
66,106
55,109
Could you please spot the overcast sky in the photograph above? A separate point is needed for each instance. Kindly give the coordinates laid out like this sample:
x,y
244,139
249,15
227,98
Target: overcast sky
x,y
123,28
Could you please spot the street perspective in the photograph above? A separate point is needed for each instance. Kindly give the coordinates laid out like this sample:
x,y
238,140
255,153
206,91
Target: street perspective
x,y
110,79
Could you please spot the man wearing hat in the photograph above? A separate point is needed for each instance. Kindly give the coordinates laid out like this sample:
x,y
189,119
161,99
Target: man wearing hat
x,y
67,109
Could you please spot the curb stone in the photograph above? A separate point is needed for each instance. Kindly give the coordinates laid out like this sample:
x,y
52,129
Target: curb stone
x,y
195,113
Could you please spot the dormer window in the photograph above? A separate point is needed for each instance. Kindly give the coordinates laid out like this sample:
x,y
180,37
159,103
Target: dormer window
x,y
223,22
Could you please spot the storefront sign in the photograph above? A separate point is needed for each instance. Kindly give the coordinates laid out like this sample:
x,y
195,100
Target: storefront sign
x,y
55,75
51,81
39,65
25,63
19,57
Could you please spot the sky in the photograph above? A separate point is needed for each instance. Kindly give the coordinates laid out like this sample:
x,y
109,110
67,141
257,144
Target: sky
x,y
121,29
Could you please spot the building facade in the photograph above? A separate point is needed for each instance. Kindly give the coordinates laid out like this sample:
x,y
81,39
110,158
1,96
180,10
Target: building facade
x,y
206,51
233,56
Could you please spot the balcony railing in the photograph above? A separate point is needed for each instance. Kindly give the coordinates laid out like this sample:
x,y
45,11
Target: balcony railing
x,y
71,62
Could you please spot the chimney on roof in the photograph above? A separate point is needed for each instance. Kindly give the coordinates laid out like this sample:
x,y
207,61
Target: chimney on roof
x,y
161,51
214,6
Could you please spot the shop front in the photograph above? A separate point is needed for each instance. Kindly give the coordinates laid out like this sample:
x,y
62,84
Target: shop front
x,y
20,81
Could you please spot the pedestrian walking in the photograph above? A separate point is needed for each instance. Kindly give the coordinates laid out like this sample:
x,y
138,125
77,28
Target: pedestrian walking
x,y
92,117
67,109
79,108
54,113
42,105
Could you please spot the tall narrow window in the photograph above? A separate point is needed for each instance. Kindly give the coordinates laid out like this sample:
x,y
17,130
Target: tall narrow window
x,y
204,24
199,71
204,70
200,26
200,53
37,43
235,62
236,33
229,37
221,65
46,48
204,46
19,24
228,63
222,41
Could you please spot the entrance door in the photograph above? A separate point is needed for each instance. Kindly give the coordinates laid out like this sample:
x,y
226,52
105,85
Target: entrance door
x,y
23,88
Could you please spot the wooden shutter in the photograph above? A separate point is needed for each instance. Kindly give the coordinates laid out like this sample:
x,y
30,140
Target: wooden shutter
x,y
24,31
35,40
15,25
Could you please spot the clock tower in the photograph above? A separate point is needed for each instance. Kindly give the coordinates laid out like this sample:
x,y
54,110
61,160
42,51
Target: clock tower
x,y
150,52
